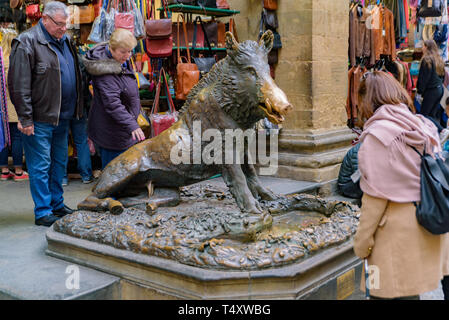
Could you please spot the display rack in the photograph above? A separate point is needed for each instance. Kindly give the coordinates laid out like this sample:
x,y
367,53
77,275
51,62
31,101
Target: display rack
x,y
213,12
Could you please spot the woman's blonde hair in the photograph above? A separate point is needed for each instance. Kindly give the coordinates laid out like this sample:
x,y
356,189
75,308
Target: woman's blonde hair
x,y
432,57
378,88
122,38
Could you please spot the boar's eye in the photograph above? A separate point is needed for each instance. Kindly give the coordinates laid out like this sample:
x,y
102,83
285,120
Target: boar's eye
x,y
253,72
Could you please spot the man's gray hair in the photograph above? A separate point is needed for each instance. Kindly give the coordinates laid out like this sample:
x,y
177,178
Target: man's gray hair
x,y
55,7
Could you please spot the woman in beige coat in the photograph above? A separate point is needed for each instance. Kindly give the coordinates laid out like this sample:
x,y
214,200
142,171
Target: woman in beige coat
x,y
404,259
16,137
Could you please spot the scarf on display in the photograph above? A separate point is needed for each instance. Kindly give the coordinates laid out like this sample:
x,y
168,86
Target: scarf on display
x,y
389,168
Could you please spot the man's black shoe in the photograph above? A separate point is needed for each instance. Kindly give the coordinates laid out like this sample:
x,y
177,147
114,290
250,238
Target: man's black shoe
x,y
63,211
46,220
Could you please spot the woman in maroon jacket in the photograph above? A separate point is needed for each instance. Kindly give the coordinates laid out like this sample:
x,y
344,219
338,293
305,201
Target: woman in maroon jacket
x,y
112,123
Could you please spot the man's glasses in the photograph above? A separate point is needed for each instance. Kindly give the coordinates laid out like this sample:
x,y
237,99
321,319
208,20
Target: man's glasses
x,y
58,24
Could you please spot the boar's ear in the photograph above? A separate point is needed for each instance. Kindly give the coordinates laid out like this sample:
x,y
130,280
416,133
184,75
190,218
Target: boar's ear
x,y
231,43
266,41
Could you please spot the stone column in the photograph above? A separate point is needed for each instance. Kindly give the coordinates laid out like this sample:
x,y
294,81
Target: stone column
x,y
312,71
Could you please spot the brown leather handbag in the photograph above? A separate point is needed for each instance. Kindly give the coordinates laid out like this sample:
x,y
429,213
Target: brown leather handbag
x,y
157,28
270,4
187,74
211,29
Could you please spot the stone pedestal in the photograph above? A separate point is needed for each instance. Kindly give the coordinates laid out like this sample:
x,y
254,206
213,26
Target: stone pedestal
x,y
312,71
331,274
312,156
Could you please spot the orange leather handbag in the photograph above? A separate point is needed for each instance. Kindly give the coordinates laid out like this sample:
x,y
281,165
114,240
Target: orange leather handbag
x,y
86,14
187,74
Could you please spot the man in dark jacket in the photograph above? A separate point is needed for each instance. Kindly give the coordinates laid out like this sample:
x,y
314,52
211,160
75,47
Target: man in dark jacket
x,y
346,184
45,86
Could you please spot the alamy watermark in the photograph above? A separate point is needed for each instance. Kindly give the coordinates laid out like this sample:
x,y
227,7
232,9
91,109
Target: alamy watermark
x,y
231,146
373,279
73,280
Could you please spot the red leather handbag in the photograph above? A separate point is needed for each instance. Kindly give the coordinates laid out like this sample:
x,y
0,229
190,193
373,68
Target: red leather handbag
x,y
159,48
161,122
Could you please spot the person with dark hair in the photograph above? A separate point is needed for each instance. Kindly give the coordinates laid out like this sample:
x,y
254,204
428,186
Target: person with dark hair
x,y
430,82
410,260
348,183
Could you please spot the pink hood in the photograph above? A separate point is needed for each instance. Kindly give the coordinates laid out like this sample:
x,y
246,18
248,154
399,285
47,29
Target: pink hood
x,y
389,168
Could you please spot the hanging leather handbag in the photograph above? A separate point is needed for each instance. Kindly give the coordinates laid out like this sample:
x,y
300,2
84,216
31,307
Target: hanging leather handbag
x,y
204,63
33,12
124,19
270,4
161,122
223,4
157,45
233,29
433,211
159,48
157,28
86,14
273,56
187,74
211,29
190,27
207,3
270,19
221,34
430,8
97,7
277,43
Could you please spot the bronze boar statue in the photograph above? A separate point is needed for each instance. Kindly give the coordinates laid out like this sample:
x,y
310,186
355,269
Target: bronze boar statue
x,y
236,93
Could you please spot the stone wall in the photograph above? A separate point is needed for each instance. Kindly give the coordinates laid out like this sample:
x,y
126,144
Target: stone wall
x,y
312,71
312,67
